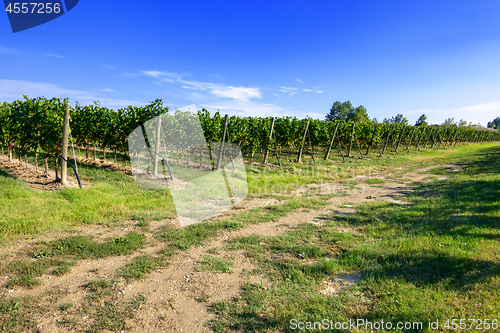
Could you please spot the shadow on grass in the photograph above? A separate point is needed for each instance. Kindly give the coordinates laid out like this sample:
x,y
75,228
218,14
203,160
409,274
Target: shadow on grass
x,y
425,269
442,236
466,208
5,174
487,161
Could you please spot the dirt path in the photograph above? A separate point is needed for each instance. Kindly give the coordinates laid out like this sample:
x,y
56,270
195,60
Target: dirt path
x,y
178,295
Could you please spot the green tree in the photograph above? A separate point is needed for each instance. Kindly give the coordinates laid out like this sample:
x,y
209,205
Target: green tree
x,y
345,111
495,123
398,119
339,111
358,114
449,122
422,121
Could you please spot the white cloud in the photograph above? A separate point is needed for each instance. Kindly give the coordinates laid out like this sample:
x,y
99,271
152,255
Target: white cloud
x,y
225,91
11,90
130,75
293,90
54,55
217,96
216,89
166,76
5,50
319,91
478,113
106,90
298,80
115,103
243,109
238,93
109,67
286,89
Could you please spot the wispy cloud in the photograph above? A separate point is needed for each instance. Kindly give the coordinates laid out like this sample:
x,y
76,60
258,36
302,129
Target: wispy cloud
x,y
106,90
5,49
15,89
219,90
250,108
225,91
293,90
238,93
164,76
240,100
54,55
478,113
298,80
287,89
109,67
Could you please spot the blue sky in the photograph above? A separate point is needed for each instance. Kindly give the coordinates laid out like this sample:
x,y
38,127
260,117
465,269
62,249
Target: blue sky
x,y
261,58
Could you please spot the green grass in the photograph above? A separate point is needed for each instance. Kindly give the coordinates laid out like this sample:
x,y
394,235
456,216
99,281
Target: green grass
x,y
17,314
214,264
111,197
82,247
435,259
26,272
105,309
374,181
140,266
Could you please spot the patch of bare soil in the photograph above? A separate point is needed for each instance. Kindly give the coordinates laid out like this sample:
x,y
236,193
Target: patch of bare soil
x,y
105,164
34,176
178,295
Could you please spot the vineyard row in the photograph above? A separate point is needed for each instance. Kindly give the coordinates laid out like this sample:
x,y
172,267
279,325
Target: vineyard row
x,y
35,125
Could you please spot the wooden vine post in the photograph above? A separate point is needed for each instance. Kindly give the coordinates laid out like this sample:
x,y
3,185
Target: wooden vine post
x,y
400,138
221,148
451,137
387,139
64,153
411,138
434,139
331,142
157,145
371,141
301,149
428,138
352,136
440,140
270,137
446,138
420,138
